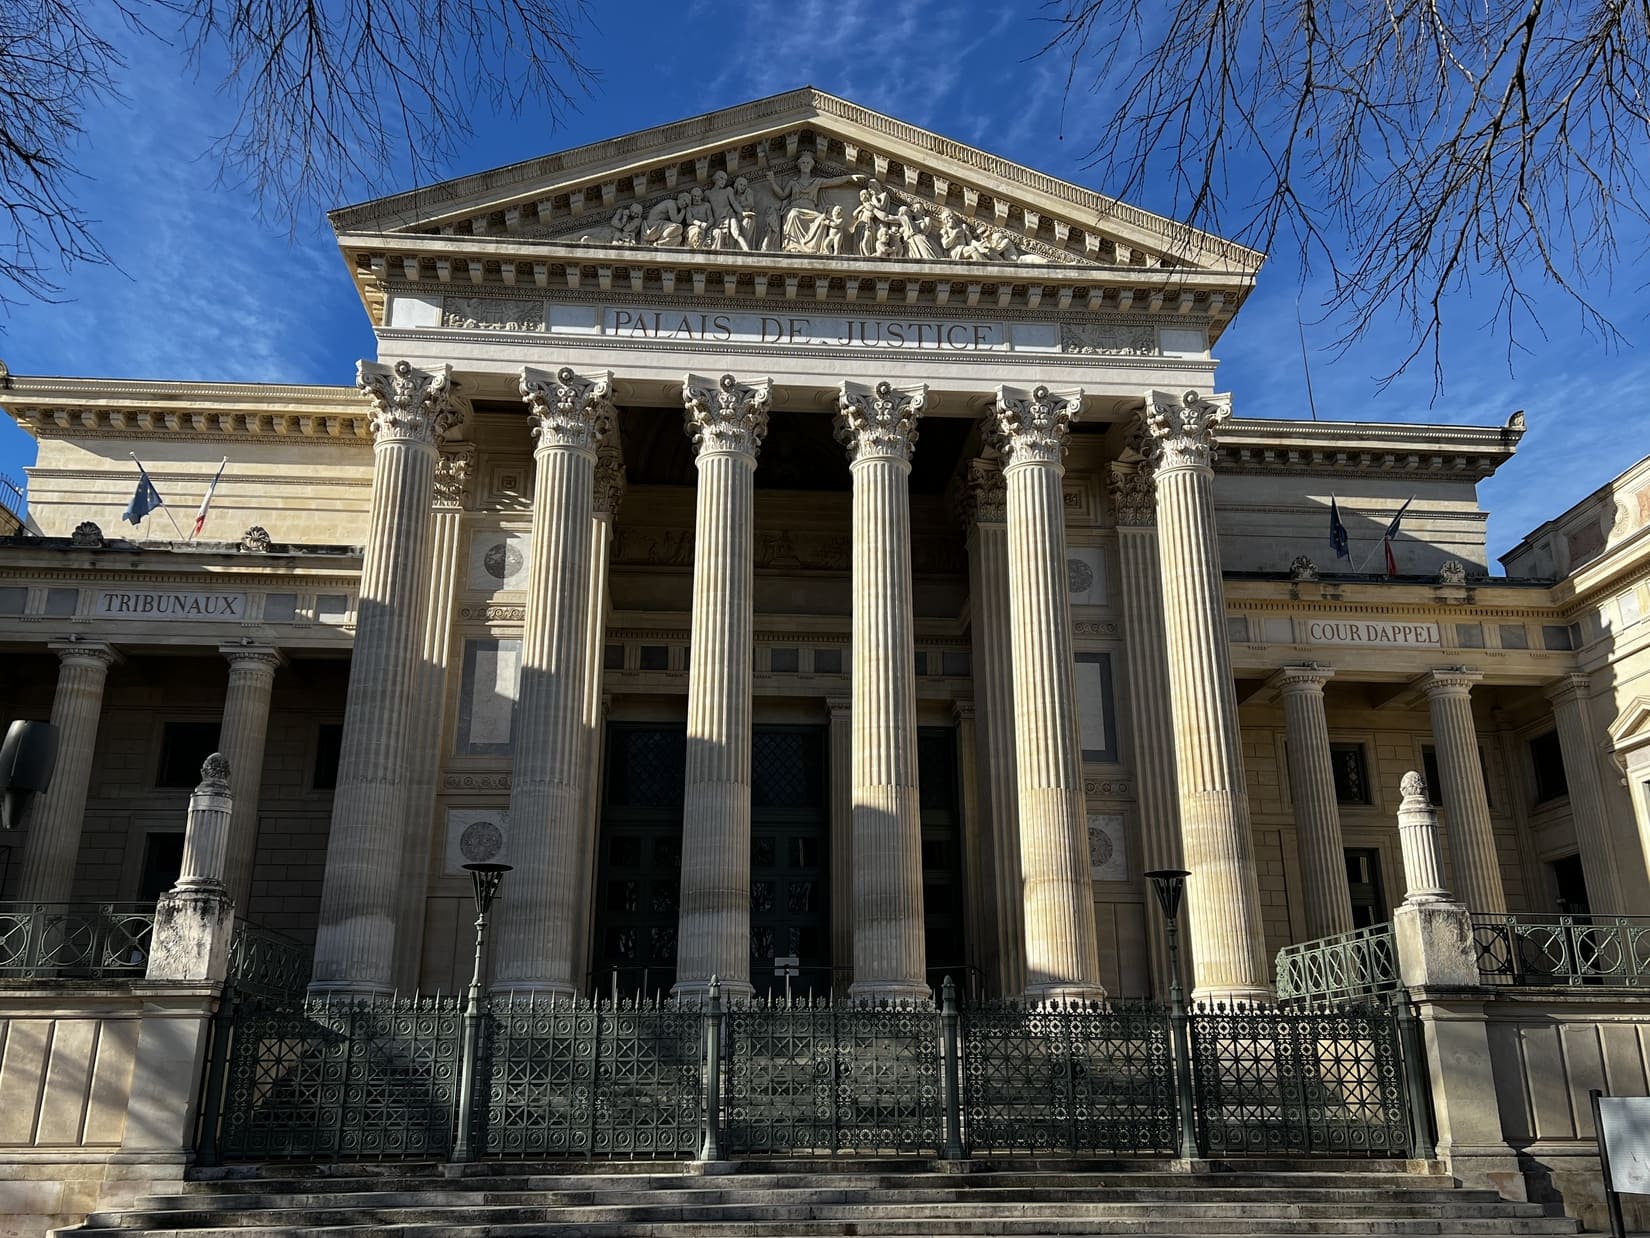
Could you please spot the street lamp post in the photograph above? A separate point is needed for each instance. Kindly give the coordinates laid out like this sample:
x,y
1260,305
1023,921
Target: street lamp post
x,y
1169,884
486,878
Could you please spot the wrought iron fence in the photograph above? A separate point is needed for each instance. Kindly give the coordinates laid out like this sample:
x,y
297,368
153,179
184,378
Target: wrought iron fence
x,y
576,1078
1349,967
75,941
1274,1081
1555,951
814,1076
1073,1077
265,963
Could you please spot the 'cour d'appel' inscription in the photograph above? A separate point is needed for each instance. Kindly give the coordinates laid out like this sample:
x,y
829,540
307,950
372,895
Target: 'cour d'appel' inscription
x,y
1388,632
168,604
803,330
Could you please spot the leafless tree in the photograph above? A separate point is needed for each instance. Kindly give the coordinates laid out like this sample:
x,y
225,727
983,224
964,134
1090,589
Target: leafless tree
x,y
1409,147
328,97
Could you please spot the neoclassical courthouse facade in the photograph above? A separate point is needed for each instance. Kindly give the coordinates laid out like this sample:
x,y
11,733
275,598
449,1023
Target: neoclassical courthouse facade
x,y
789,534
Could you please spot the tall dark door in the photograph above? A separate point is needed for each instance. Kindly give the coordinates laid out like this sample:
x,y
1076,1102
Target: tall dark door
x,y
640,866
943,892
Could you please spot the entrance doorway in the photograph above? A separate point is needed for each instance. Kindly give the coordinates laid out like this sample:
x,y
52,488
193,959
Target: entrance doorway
x,y
1363,884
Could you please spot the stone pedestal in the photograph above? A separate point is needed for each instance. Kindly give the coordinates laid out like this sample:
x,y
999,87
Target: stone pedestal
x,y
1581,749
55,824
355,936
984,511
728,420
1062,955
1222,894
241,740
1151,751
1466,805
455,468
540,912
879,427
1328,902
194,920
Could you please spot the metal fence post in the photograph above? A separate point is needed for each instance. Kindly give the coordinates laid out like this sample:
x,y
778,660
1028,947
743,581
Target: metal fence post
x,y
712,1148
217,1067
1413,1058
1186,1106
951,1074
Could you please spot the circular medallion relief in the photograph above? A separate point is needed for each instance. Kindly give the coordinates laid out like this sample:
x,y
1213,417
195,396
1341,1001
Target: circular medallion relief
x,y
1079,576
1100,848
480,842
502,560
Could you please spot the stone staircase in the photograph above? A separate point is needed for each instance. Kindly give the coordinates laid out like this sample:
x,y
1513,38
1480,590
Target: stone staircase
x,y
841,1196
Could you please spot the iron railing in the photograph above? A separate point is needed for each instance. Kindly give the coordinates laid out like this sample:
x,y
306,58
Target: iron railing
x,y
264,963
322,1080
1557,951
75,941
1350,967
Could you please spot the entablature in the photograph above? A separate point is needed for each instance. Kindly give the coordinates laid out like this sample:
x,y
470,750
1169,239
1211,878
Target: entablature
x,y
1459,452
58,407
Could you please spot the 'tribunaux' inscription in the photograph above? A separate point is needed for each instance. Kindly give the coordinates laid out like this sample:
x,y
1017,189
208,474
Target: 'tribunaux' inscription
x,y
160,604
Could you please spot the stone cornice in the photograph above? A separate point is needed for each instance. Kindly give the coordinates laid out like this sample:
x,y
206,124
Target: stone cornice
x,y
1445,452
63,407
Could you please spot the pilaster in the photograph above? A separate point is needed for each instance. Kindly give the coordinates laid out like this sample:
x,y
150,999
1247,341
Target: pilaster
x,y
878,425
568,413
727,420
1062,953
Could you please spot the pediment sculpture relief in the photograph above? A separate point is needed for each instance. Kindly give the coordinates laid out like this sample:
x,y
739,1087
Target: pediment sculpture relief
x,y
813,211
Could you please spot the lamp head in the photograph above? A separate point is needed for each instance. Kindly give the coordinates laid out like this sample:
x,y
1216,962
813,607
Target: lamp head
x,y
1169,884
486,878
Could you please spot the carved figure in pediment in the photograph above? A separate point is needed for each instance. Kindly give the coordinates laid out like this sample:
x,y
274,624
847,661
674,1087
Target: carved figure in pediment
x,y
890,241
700,221
799,199
666,220
957,238
733,212
773,234
837,232
865,224
918,226
627,224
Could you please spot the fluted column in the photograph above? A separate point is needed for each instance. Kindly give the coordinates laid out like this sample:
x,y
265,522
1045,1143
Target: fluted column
x,y
1062,951
979,923
1328,902
355,936
1134,506
609,492
54,826
538,923
1466,804
454,471
984,510
879,427
1579,746
1222,893
241,743
727,420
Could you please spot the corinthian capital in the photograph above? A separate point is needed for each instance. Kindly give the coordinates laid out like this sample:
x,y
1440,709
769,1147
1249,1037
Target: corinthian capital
x,y
879,422
725,414
1133,495
1182,427
455,469
568,409
409,403
983,497
1032,426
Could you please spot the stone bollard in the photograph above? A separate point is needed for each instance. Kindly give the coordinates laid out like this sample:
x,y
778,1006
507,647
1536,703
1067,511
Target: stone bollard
x,y
1438,962
195,919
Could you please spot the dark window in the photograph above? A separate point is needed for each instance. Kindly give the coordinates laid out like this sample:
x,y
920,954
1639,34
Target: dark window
x,y
1351,773
955,664
329,741
184,747
921,663
655,657
827,661
784,661
1557,636
1363,886
1570,886
162,862
1548,760
613,657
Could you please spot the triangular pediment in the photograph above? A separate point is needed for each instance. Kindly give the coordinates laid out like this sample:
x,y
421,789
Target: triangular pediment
x,y
800,173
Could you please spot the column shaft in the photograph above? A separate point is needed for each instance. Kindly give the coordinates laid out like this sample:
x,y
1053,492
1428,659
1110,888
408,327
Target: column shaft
x,y
355,935
1328,902
1062,949
1466,804
999,806
728,420
241,740
1222,893
1580,751
539,909
55,823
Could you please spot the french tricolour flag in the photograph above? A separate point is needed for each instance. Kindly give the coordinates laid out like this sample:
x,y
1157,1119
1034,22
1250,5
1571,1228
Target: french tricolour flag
x,y
206,503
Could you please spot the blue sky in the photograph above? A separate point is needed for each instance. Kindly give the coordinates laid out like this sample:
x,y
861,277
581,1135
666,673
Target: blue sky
x,y
208,290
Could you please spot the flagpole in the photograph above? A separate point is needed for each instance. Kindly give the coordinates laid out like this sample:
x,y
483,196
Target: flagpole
x,y
206,502
162,503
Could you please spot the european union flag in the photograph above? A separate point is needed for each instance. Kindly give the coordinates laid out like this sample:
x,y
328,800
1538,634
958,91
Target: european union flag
x,y
144,500
1337,531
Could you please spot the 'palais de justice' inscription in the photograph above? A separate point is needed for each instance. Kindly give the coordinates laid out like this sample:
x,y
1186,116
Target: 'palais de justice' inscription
x,y
823,331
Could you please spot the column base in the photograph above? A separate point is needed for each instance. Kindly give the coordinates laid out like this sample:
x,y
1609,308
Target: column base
x,y
1064,993
872,991
699,990
348,990
1231,995
531,989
